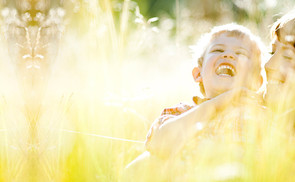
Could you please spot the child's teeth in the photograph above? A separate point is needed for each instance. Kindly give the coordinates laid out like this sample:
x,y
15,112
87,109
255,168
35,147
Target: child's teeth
x,y
275,82
226,67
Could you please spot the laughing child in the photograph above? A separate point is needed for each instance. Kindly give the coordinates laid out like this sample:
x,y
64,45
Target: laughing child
x,y
280,68
229,75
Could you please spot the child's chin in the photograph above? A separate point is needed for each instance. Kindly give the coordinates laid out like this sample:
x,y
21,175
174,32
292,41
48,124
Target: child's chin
x,y
225,86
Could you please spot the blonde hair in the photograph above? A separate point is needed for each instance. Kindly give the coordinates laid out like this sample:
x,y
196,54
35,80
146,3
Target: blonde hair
x,y
232,30
287,19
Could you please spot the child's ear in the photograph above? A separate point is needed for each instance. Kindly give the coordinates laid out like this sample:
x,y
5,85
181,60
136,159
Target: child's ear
x,y
260,81
197,74
257,85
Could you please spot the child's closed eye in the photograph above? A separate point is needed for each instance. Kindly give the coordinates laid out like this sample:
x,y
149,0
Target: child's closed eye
x,y
287,57
241,53
290,60
217,50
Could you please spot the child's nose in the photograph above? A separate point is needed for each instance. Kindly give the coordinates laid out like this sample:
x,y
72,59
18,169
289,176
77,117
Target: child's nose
x,y
228,55
273,63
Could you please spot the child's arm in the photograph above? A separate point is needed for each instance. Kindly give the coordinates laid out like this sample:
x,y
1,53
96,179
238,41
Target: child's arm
x,y
169,138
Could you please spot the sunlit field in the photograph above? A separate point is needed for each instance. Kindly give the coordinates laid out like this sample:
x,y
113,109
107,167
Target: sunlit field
x,y
80,107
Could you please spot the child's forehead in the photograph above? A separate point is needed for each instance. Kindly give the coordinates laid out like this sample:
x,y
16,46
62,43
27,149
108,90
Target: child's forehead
x,y
232,34
226,38
286,34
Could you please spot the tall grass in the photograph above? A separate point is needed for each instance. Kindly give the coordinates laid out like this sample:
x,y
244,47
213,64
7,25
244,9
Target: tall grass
x,y
110,80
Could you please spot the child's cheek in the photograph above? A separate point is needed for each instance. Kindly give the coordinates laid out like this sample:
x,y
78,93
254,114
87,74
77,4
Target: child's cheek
x,y
290,74
287,69
242,58
243,65
208,63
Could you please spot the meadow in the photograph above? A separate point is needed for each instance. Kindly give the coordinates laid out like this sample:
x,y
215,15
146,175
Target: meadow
x,y
110,75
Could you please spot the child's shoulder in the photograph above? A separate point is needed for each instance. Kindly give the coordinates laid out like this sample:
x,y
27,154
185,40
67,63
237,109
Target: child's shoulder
x,y
182,107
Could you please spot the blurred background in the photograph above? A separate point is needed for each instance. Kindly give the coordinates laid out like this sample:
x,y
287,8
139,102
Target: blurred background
x,y
111,67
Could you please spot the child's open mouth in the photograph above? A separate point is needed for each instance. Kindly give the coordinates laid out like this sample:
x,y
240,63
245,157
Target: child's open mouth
x,y
275,79
275,82
225,70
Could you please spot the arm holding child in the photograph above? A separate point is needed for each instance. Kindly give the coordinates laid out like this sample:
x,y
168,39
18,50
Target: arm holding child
x,y
169,138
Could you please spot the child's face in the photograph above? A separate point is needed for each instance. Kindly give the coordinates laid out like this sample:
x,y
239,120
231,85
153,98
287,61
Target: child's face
x,y
280,68
227,61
